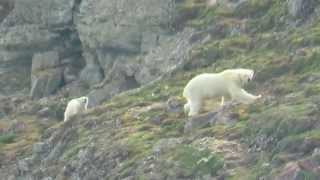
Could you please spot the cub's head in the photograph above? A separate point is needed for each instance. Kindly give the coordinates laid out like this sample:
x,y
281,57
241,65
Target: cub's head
x,y
84,100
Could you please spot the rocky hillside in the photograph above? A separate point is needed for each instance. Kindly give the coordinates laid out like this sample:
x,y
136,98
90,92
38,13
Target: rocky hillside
x,y
133,59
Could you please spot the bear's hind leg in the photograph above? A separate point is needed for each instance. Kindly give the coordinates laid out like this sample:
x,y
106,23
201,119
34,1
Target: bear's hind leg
x,y
194,107
187,108
222,101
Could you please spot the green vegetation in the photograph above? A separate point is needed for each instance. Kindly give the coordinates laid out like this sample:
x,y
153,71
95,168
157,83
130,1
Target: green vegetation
x,y
7,138
197,163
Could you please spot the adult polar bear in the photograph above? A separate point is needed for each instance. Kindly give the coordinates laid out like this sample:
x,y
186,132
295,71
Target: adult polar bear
x,y
226,83
75,106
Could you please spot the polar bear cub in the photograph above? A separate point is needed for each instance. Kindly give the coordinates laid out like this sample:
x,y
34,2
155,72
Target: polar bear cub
x,y
229,82
75,106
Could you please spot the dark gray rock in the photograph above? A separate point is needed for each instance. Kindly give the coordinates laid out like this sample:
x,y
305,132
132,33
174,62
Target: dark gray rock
x,y
221,115
174,105
301,8
46,83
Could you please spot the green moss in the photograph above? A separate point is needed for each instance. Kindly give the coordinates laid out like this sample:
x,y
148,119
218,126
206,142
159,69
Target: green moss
x,y
7,138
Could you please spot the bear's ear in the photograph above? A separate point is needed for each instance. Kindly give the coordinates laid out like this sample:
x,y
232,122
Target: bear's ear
x,y
252,75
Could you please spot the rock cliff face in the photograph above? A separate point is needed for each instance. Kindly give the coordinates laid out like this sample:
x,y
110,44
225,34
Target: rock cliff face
x,y
31,28
100,47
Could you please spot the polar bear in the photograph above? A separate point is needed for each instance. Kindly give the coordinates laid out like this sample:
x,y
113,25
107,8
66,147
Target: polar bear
x,y
229,82
76,106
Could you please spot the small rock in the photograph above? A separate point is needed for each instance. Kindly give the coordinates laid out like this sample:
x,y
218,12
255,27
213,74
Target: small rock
x,y
44,112
173,105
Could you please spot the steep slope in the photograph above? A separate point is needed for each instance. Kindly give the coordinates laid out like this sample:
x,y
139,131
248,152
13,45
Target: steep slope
x,y
144,134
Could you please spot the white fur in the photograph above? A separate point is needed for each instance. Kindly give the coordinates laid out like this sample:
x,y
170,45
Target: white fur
x,y
75,106
225,83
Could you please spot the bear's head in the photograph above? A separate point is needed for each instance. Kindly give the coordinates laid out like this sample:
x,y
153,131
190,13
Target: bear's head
x,y
84,100
245,75
239,76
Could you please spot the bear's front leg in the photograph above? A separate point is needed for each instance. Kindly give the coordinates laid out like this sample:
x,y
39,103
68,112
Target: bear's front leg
x,y
243,96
